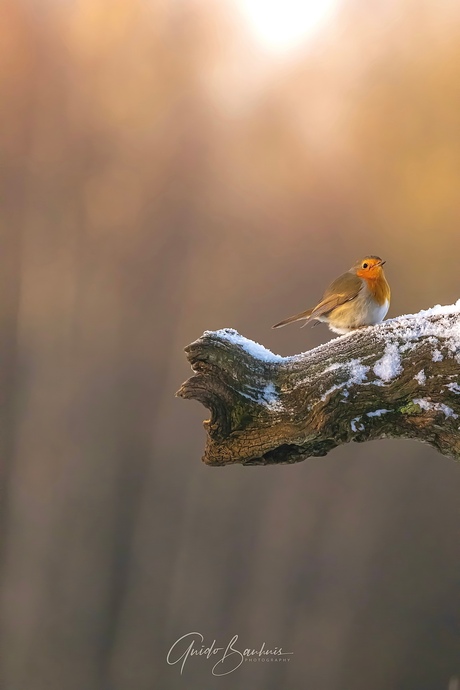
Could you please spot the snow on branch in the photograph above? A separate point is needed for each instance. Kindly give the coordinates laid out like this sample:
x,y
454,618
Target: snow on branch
x,y
399,379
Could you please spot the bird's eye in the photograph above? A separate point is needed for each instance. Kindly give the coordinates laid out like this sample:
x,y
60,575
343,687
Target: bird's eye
x,y
365,265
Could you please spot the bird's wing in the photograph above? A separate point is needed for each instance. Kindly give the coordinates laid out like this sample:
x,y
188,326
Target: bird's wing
x,y
344,288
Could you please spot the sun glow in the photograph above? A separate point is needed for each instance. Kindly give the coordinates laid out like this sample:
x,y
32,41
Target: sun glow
x,y
282,25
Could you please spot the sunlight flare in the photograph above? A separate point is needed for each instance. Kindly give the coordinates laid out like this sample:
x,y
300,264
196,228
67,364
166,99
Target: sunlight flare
x,y
282,25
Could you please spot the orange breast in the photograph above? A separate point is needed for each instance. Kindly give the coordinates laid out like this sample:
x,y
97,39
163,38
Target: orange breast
x,y
379,289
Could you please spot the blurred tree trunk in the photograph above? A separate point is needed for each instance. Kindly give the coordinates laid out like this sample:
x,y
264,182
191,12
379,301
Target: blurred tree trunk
x,y
85,344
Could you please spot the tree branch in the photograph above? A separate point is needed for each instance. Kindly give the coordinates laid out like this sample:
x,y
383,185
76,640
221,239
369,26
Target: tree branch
x,y
399,379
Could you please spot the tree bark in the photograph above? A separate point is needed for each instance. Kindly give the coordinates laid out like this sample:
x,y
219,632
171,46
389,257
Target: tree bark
x,y
399,379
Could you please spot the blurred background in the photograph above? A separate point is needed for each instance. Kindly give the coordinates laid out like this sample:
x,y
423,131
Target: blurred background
x,y
171,166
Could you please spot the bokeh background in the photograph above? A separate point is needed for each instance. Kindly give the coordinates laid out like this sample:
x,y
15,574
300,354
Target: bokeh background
x,y
171,166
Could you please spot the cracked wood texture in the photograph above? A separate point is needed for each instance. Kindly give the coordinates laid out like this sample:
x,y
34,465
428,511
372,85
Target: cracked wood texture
x,y
399,379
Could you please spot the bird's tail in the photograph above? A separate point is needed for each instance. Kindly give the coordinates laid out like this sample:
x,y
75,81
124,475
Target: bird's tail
x,y
304,315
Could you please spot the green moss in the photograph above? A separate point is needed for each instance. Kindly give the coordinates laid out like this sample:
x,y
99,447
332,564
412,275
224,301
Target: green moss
x,y
241,416
410,408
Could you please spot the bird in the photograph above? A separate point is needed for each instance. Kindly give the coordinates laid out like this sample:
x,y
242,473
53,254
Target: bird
x,y
360,297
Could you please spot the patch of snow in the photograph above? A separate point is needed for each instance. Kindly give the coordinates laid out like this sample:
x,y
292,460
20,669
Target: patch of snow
x,y
437,356
270,398
389,366
378,382
356,425
432,406
440,309
454,387
335,387
411,327
407,347
420,377
334,367
267,397
357,373
377,413
253,348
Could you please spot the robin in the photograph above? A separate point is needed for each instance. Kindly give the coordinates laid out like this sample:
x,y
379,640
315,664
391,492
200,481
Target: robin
x,y
359,297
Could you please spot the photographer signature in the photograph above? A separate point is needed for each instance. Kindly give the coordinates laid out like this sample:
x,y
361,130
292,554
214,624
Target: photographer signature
x,y
228,658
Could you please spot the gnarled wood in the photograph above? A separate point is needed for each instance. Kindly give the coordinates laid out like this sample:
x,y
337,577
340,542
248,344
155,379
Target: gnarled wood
x,y
400,379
